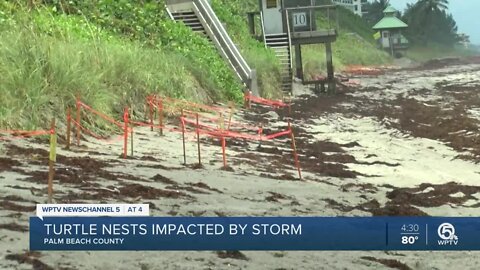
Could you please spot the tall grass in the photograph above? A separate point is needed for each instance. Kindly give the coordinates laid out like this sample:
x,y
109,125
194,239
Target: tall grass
x,y
47,58
233,14
421,54
42,74
354,45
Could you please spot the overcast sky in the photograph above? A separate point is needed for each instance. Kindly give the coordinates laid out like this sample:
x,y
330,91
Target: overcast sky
x,y
465,13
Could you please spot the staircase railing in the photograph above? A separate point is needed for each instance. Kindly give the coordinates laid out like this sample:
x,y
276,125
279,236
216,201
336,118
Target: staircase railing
x,y
289,40
170,14
231,52
263,29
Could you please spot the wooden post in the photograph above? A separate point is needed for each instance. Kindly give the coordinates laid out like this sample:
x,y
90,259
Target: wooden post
x,y
79,113
330,72
52,159
183,139
125,133
288,101
232,109
221,121
245,99
295,154
69,126
223,153
131,140
150,114
298,61
160,115
198,141
251,23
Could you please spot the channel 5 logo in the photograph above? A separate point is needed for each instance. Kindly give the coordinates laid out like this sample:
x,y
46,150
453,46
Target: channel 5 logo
x,y
446,232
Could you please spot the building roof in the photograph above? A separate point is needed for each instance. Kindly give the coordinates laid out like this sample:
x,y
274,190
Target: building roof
x,y
390,9
390,23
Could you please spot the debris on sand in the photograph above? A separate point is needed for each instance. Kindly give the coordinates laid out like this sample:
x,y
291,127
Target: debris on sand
x,y
395,264
429,195
237,255
227,169
14,227
204,186
6,164
285,176
276,197
146,192
32,153
8,205
374,207
29,258
397,210
164,180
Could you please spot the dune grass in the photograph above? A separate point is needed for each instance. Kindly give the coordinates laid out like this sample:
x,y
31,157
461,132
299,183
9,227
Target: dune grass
x,y
42,74
425,53
354,45
46,59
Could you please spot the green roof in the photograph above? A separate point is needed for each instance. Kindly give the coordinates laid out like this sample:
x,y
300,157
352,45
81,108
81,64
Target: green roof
x,y
390,23
390,9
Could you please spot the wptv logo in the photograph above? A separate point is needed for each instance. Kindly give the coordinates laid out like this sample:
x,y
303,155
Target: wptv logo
x,y
446,232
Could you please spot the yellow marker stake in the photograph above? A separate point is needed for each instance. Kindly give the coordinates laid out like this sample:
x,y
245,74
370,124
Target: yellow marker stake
x,y
52,160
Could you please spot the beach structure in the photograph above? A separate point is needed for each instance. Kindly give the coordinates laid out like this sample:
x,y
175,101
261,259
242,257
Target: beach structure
x,y
389,32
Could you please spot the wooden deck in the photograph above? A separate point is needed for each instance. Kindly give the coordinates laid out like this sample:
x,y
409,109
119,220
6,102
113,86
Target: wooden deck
x,y
314,37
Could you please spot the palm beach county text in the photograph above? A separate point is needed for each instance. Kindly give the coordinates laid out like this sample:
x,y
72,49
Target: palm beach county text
x,y
114,234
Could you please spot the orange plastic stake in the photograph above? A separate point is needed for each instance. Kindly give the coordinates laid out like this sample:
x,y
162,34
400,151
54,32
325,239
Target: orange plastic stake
x,y
69,126
51,160
125,132
198,141
79,113
160,115
295,154
183,139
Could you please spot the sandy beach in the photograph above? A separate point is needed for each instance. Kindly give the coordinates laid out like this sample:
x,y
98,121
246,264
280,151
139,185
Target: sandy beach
x,y
402,143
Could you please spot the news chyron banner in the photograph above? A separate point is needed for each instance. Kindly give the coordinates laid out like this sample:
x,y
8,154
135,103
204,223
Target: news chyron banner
x,y
129,227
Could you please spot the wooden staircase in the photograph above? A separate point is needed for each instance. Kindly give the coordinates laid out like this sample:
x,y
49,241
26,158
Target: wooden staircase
x,y
190,19
201,18
280,43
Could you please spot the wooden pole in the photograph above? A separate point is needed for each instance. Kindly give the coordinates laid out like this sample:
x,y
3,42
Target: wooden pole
x,y
69,126
223,153
125,132
232,109
131,140
183,140
245,99
198,141
295,154
160,115
79,113
51,160
150,114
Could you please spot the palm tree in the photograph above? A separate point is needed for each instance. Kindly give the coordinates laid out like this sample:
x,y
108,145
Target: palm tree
x,y
427,9
429,6
375,10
